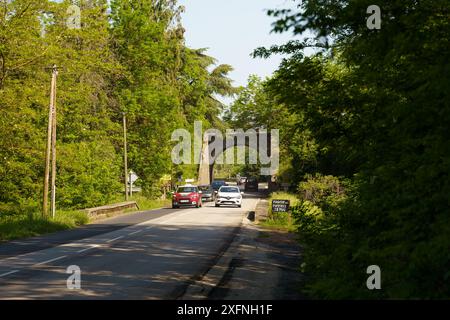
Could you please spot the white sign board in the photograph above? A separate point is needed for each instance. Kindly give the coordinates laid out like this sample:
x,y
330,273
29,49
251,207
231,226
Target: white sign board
x,y
133,177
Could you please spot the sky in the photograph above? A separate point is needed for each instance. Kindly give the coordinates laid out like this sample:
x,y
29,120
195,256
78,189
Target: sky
x,y
231,30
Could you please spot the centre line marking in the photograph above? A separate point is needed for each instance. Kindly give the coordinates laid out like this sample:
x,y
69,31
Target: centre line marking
x,y
112,240
86,249
48,261
8,273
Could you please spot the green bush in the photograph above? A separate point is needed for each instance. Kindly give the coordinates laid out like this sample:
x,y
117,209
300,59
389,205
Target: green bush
x,y
88,175
317,217
376,106
321,190
342,234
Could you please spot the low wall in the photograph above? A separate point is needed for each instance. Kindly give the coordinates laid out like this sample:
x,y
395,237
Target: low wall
x,y
111,209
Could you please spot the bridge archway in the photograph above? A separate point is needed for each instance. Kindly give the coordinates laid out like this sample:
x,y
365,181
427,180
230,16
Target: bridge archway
x,y
241,154
262,146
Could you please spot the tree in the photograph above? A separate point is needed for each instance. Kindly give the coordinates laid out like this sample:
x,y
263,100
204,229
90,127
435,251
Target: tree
x,y
168,86
256,107
128,56
376,104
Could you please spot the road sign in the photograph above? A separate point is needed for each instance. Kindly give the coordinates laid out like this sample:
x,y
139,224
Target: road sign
x,y
133,177
280,205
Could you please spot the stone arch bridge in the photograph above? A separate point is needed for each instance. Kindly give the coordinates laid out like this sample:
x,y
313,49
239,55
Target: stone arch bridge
x,y
263,147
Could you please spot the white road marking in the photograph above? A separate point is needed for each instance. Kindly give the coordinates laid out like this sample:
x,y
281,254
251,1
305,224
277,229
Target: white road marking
x,y
163,221
48,261
86,249
10,262
112,240
171,218
8,273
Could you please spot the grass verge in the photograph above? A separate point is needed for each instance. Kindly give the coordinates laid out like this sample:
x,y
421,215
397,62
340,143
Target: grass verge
x,y
145,203
25,226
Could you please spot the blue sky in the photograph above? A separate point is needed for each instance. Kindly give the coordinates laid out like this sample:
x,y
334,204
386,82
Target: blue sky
x,y
232,29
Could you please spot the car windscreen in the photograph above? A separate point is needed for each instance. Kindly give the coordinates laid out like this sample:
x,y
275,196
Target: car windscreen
x,y
218,183
229,190
186,189
204,188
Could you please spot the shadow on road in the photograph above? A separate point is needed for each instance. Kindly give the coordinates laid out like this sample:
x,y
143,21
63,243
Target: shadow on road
x,y
23,246
160,263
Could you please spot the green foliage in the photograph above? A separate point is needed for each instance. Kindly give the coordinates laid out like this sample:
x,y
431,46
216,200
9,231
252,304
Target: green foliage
x,y
322,191
128,56
374,104
255,107
85,129
149,51
168,86
320,196
91,180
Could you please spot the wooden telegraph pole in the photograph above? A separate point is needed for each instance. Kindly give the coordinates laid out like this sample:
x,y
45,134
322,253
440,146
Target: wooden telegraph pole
x,y
125,157
53,196
51,141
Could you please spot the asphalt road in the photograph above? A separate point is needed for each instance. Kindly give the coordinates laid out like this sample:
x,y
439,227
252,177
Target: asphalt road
x,y
150,255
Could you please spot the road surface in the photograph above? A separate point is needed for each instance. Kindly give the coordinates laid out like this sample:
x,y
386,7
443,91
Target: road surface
x,y
150,255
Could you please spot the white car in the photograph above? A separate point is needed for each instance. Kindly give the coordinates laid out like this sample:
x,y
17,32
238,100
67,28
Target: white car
x,y
229,195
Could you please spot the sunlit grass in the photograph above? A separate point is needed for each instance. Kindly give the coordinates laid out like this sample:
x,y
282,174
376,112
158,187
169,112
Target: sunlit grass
x,y
144,202
30,225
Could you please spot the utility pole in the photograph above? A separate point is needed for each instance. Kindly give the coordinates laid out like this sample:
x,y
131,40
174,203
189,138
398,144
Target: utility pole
x,y
53,199
125,157
49,139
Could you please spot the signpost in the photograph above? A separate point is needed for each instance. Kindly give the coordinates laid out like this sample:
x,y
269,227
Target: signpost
x,y
132,179
280,206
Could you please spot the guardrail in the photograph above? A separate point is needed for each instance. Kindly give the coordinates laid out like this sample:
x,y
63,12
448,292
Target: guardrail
x,y
111,209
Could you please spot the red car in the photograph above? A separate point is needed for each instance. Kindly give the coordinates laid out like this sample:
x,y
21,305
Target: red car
x,y
187,196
